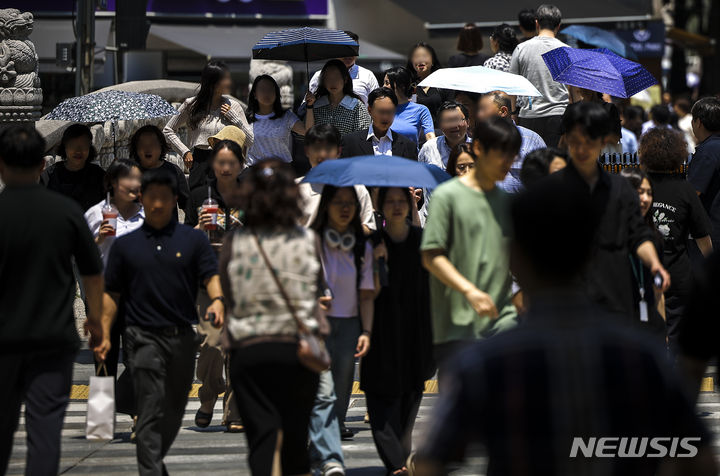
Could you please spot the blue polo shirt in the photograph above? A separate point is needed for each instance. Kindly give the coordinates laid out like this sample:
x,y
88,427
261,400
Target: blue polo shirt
x,y
156,273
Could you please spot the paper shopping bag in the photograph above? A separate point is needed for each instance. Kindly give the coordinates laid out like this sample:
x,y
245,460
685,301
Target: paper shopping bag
x,y
101,408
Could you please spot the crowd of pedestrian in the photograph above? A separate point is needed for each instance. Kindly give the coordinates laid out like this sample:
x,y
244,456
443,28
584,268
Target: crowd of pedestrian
x,y
552,299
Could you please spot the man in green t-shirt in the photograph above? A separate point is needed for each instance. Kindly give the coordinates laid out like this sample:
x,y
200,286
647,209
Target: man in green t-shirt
x,y
465,245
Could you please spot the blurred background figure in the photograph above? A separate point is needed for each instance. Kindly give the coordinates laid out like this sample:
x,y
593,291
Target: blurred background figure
x,y
469,44
526,23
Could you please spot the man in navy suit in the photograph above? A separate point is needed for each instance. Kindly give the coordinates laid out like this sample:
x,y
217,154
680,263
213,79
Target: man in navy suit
x,y
378,139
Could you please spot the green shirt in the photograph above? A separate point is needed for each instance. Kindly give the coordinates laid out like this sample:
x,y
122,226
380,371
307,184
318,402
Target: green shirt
x,y
473,228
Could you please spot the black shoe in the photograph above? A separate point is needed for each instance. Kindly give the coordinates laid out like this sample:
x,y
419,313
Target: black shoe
x,y
346,433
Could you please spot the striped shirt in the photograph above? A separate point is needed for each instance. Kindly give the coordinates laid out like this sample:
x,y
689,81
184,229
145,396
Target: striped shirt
x,y
567,371
272,137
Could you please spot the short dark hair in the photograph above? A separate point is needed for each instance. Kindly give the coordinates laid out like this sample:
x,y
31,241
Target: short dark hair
x,y
382,196
401,78
707,111
74,131
118,169
662,150
323,133
683,104
230,145
501,99
633,112
660,114
382,93
536,164
470,38
591,117
450,106
506,38
498,133
526,19
270,196
159,176
148,129
352,35
548,16
21,147
564,213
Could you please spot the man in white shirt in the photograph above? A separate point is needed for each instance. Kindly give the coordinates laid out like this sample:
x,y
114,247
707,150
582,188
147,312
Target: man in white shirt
x,y
364,81
542,114
453,120
322,142
379,139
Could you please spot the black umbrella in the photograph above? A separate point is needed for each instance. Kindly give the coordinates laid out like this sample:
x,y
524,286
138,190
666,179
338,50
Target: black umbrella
x,y
305,44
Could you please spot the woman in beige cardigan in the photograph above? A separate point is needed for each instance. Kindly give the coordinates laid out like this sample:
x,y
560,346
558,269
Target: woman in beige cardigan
x,y
205,115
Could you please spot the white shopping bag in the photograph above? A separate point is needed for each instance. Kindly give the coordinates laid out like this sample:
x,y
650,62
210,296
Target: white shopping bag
x,y
101,407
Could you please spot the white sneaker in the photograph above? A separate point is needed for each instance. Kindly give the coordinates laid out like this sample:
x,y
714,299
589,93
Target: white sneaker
x,y
332,469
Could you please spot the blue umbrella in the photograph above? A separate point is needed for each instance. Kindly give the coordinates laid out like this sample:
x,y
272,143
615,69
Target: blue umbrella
x,y
305,44
595,36
598,70
380,171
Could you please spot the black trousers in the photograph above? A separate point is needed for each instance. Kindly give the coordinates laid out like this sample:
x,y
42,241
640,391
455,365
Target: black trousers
x,y
274,392
200,170
42,380
391,420
549,128
162,367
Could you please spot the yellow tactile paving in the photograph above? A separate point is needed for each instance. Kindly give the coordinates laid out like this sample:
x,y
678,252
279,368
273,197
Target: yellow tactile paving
x,y
80,392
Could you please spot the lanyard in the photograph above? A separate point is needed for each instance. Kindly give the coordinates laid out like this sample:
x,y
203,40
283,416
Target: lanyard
x,y
640,278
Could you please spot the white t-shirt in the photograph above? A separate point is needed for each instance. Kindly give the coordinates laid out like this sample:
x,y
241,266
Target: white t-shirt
x,y
94,219
341,277
310,202
272,137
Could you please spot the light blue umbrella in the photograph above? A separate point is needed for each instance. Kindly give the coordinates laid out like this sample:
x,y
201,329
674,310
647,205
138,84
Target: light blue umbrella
x,y
595,36
479,79
377,171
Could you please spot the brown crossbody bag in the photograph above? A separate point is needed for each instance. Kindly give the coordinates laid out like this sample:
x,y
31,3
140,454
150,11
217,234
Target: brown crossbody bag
x,y
311,350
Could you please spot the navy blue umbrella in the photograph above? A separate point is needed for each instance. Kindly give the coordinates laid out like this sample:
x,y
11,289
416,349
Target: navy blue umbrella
x,y
305,44
376,171
595,36
598,70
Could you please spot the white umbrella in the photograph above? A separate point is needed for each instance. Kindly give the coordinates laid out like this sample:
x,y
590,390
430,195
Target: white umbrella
x,y
479,79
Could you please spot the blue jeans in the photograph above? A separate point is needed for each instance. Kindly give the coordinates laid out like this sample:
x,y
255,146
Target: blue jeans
x,y
341,344
325,444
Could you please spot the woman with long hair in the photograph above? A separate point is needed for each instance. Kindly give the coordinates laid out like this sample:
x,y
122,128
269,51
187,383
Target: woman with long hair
x,y
335,103
76,176
394,371
271,124
678,213
461,161
273,389
412,120
348,261
502,42
205,115
422,61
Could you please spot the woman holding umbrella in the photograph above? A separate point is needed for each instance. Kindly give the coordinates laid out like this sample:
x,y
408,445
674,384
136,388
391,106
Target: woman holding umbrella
x,y
394,371
205,115
335,103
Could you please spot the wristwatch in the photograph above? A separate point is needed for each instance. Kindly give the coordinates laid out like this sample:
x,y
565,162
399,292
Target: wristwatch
x,y
219,298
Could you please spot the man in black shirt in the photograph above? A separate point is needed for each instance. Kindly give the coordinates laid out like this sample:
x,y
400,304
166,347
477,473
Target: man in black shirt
x,y
621,229
155,270
41,232
704,170
568,377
